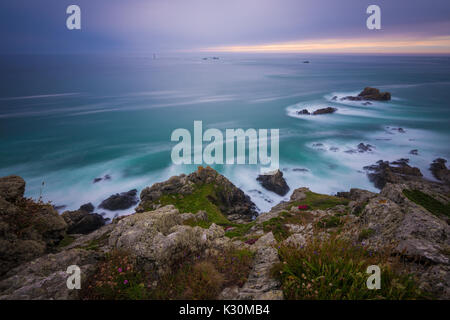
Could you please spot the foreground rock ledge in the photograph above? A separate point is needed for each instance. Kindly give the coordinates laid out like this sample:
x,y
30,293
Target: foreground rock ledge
x,y
161,235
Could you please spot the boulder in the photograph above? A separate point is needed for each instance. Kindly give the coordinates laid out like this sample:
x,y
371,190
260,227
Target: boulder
x,y
160,240
88,207
120,201
274,182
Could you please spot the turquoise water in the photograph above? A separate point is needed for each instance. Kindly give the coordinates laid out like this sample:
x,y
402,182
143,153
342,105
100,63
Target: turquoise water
x,y
65,120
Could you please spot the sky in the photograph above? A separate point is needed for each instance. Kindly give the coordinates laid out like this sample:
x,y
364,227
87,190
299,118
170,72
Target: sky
x,y
159,26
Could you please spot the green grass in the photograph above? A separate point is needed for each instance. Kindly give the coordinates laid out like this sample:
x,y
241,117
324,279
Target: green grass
x,y
429,203
329,222
199,199
278,225
67,240
96,243
239,230
320,201
278,228
198,223
335,269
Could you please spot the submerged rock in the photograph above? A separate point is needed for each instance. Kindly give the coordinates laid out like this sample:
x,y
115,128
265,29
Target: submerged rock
x,y
304,111
364,147
274,182
120,201
325,111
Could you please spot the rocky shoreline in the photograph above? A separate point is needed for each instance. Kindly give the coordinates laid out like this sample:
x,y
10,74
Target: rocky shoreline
x,y
201,225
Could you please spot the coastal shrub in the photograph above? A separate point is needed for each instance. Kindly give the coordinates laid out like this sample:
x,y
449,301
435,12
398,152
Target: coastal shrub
x,y
429,203
329,222
67,240
316,201
360,208
335,269
199,281
118,277
365,234
30,216
205,279
235,265
277,227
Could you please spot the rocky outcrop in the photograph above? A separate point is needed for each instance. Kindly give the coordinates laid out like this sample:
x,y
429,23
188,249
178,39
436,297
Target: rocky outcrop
x,y
28,229
12,188
46,278
440,171
230,200
370,94
274,182
160,239
411,231
120,201
392,172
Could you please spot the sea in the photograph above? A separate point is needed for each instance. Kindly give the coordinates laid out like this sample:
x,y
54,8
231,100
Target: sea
x,y
68,119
